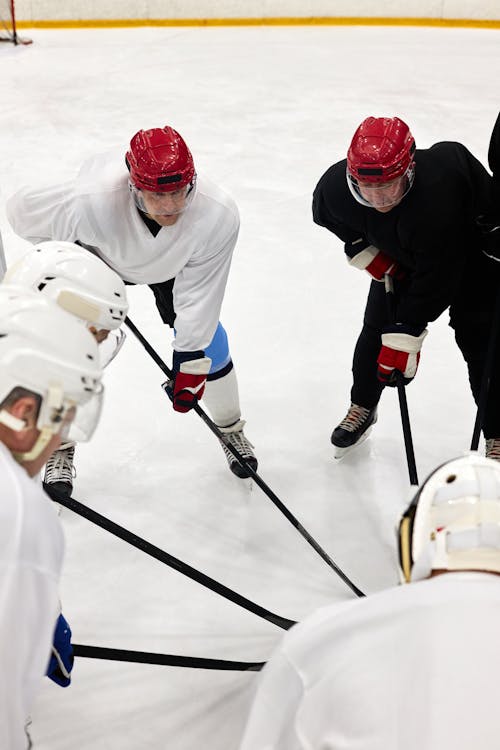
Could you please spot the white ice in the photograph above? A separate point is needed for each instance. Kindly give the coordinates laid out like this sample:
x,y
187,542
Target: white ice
x,y
265,111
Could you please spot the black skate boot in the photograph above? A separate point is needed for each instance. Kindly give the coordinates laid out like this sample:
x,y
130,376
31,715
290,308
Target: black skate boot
x,y
493,448
59,470
236,437
354,429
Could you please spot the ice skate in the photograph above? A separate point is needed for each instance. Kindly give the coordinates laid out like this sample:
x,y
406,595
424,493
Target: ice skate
x,y
235,436
353,430
493,448
59,470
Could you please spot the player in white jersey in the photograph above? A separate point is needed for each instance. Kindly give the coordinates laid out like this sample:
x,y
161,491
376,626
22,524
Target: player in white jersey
x,y
3,264
411,667
82,284
49,384
154,222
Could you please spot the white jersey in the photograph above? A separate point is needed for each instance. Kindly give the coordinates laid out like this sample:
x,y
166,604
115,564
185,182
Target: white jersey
x,y
97,210
3,264
31,552
412,668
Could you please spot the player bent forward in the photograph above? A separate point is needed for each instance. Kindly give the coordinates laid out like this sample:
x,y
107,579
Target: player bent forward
x,y
48,384
411,667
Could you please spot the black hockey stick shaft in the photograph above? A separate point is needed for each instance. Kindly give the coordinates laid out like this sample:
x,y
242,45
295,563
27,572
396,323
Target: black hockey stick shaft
x,y
485,380
166,660
165,558
251,472
403,404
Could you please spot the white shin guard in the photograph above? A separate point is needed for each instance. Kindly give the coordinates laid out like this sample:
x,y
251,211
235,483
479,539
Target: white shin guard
x,y
222,399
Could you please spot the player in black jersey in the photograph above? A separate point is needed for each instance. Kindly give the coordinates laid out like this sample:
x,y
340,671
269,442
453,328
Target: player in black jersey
x,y
411,214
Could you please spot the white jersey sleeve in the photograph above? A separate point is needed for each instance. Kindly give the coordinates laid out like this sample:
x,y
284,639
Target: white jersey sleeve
x,y
31,552
44,214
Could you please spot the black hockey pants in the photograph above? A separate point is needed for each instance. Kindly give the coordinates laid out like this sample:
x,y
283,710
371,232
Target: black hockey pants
x,y
471,316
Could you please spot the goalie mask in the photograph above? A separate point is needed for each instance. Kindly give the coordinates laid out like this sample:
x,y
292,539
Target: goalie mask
x,y
453,522
50,353
380,162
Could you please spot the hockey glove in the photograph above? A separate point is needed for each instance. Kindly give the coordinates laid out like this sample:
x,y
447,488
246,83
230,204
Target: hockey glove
x,y
400,351
373,261
190,371
61,661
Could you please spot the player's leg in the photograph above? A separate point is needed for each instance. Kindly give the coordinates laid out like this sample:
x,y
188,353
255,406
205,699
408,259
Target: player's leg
x,y
366,389
222,401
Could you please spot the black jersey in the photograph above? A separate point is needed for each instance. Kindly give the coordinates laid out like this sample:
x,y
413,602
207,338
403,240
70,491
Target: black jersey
x,y
432,233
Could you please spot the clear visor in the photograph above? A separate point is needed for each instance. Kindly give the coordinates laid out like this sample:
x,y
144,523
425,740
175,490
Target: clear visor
x,y
86,418
110,343
170,203
381,195
69,420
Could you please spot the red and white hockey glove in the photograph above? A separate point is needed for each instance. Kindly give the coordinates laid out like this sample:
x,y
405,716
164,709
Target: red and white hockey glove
x,y
400,351
375,262
188,384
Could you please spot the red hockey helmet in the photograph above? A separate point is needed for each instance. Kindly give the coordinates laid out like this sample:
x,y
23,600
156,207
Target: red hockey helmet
x,y
381,150
380,163
159,160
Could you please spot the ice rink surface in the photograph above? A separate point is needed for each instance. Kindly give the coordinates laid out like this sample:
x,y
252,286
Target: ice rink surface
x,y
265,112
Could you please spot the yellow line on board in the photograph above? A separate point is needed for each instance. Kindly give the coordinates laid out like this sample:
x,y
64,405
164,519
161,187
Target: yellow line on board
x,y
313,21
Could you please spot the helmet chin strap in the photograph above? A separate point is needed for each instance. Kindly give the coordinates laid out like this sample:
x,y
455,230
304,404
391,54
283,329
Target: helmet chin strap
x,y
44,438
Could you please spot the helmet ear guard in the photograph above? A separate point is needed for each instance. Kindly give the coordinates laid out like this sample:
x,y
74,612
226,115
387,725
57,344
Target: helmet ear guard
x,y
404,539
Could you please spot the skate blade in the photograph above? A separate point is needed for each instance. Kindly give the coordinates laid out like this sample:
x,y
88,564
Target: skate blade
x,y
342,452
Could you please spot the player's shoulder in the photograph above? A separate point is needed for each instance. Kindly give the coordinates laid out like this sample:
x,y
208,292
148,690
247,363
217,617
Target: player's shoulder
x,y
103,173
216,199
334,176
29,526
444,151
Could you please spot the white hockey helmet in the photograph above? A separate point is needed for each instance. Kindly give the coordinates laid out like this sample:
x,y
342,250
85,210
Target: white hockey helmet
x,y
453,522
47,351
77,280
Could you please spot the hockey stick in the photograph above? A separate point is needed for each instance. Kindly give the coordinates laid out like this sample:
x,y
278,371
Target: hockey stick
x,y
165,557
485,380
167,660
403,404
264,487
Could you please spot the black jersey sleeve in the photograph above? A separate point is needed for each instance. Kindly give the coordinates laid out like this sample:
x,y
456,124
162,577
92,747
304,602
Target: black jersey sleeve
x,y
329,204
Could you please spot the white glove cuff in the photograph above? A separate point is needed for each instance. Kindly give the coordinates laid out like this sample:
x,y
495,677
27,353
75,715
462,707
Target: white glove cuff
x,y
196,366
364,258
403,342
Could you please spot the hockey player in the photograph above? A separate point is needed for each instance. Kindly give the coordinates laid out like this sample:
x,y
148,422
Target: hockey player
x,y
85,286
49,383
410,667
489,222
411,214
154,222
